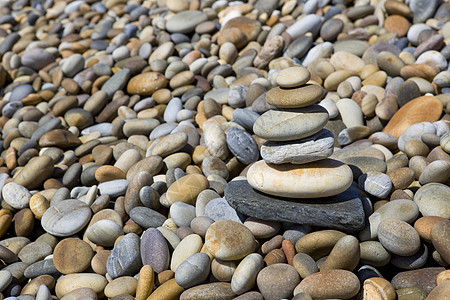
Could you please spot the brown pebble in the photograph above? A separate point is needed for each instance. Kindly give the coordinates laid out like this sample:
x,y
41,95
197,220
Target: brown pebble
x,y
72,255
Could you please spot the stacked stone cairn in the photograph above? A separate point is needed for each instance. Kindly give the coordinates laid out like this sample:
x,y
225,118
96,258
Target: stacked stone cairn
x,y
296,166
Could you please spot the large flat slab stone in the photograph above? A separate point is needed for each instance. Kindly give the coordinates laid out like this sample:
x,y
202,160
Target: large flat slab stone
x,y
343,211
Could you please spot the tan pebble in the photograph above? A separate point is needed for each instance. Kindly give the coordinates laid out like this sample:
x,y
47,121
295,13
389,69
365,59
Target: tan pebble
x,y
32,287
344,60
164,276
318,244
397,24
344,255
108,173
378,78
223,270
120,286
275,256
147,83
378,288
416,148
401,177
187,188
145,282
72,255
168,290
24,222
80,293
228,52
71,282
339,284
442,277
440,292
333,80
5,222
98,262
368,70
422,109
425,71
229,240
293,77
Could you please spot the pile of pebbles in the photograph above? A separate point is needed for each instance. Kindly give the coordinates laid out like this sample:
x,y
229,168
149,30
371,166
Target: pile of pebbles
x,y
269,149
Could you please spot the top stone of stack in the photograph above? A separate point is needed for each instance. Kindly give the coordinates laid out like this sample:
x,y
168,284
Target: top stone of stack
x,y
293,92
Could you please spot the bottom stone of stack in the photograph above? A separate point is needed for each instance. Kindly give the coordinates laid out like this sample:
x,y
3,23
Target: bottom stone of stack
x,y
343,211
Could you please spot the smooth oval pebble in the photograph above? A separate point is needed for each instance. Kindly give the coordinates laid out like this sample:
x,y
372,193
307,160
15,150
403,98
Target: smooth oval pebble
x,y
154,250
398,237
433,200
66,218
288,125
104,232
16,195
244,277
422,109
229,240
330,284
215,290
72,255
242,145
277,281
188,246
322,178
193,271
292,77
69,283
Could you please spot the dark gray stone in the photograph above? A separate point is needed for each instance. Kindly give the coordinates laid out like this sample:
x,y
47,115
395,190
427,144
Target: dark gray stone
x,y
125,257
408,90
242,145
413,261
46,127
147,217
331,29
245,117
299,47
116,82
343,211
9,42
41,267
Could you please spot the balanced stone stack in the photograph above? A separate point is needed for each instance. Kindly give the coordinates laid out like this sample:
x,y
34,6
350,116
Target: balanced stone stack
x,y
295,162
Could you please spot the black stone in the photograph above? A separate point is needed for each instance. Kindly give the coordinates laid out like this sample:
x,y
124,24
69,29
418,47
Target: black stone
x,y
343,211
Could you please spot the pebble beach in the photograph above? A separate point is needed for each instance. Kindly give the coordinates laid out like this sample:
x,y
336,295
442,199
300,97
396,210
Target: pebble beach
x,y
214,150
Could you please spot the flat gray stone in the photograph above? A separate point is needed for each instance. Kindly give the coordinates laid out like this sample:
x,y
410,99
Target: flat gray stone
x,y
66,218
343,211
291,124
185,21
313,148
147,217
